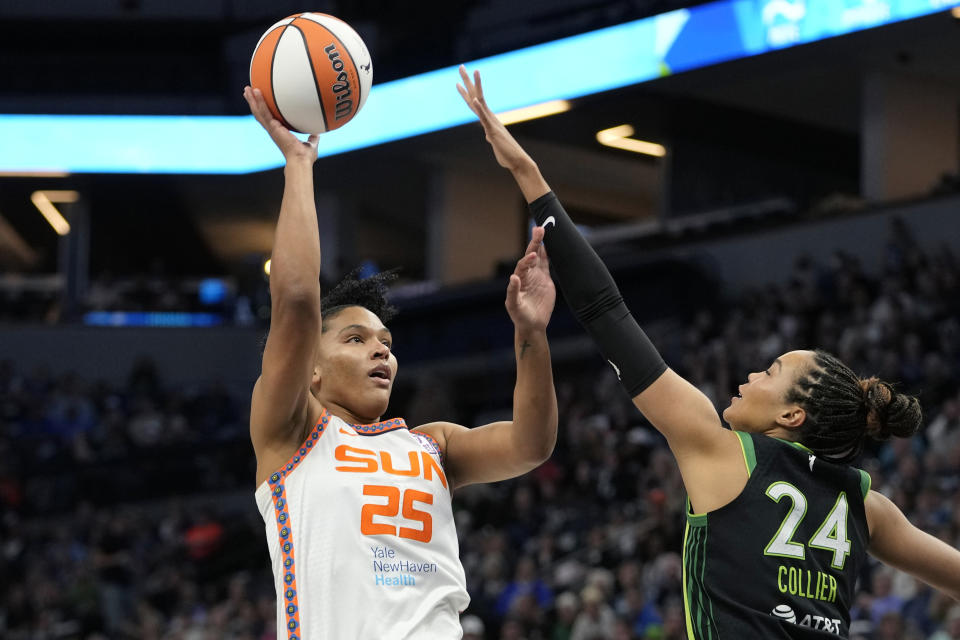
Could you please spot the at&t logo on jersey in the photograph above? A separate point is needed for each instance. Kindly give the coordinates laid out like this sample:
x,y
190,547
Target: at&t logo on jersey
x,y
787,614
784,612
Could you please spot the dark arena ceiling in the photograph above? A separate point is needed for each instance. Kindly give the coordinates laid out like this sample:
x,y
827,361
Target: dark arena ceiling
x,y
799,108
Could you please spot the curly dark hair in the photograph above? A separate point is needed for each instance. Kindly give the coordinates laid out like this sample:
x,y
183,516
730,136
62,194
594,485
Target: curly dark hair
x,y
843,409
369,293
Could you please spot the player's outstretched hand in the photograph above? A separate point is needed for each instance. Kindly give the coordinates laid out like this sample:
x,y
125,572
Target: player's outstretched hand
x,y
509,153
292,147
531,294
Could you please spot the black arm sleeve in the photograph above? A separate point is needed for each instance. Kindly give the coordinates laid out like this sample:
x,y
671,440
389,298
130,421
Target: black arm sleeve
x,y
595,300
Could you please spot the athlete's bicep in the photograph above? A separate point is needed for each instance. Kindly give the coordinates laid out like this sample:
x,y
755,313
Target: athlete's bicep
x,y
280,395
897,542
480,454
683,414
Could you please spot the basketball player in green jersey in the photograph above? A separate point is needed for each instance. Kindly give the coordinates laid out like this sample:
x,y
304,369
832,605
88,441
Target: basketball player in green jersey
x,y
778,524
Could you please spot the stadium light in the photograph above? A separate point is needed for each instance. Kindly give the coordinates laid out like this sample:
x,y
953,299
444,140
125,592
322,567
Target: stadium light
x,y
43,201
532,112
34,174
620,138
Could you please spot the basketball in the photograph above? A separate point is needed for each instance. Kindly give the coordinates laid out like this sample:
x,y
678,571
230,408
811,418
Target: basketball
x,y
314,71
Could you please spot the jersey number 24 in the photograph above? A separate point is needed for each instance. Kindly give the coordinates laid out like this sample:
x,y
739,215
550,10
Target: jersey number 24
x,y
831,535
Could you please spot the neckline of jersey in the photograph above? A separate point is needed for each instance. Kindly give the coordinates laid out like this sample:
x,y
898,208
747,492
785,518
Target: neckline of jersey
x,y
798,445
392,423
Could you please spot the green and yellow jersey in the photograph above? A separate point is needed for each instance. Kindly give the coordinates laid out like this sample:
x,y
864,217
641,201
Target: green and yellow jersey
x,y
781,560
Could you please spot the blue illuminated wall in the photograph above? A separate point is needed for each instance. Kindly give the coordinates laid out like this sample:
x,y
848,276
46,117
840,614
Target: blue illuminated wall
x,y
580,65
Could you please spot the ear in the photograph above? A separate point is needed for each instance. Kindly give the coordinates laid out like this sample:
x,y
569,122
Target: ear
x,y
792,417
315,378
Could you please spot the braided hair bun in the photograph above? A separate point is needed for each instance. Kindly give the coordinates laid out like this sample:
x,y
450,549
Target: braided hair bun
x,y
843,409
889,413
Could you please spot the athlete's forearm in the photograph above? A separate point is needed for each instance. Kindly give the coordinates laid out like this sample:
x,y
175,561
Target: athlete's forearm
x,y
595,299
534,429
295,262
530,180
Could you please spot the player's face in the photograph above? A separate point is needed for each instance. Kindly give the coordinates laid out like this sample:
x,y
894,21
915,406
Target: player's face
x,y
761,404
356,366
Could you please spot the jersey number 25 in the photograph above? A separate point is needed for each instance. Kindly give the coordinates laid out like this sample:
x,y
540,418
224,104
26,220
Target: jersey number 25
x,y
392,509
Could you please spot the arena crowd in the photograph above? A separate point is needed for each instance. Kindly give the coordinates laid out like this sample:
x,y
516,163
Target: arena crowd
x,y
127,511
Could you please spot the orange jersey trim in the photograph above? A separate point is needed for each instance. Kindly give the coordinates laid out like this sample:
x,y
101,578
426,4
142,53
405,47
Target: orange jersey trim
x,y
377,428
278,494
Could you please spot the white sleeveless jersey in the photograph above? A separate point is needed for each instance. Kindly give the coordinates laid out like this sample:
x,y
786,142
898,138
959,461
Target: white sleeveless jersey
x,y
362,538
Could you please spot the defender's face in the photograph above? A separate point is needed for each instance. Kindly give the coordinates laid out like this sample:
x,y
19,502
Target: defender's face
x,y
762,400
355,366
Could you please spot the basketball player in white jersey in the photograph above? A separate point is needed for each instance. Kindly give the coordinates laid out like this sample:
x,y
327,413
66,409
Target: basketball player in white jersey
x,y
357,510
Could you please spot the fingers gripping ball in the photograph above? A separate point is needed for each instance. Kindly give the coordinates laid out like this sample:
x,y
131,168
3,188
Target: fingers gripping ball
x,y
314,71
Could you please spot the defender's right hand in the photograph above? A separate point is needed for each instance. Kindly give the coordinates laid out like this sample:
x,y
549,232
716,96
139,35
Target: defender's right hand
x,y
508,151
292,147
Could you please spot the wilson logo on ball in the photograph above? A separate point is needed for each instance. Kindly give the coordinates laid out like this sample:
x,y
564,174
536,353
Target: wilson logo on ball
x,y
314,71
341,88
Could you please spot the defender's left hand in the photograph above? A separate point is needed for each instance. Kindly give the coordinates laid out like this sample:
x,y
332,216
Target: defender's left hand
x,y
531,294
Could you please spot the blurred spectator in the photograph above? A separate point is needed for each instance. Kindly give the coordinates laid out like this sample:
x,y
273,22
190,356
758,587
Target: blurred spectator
x,y
525,582
884,600
115,566
596,620
951,626
567,607
473,628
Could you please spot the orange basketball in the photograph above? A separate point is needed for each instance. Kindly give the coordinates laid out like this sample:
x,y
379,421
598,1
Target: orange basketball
x,y
314,71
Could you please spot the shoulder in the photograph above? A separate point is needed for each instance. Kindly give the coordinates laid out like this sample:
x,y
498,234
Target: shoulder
x,y
880,510
439,432
273,448
714,480
889,529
